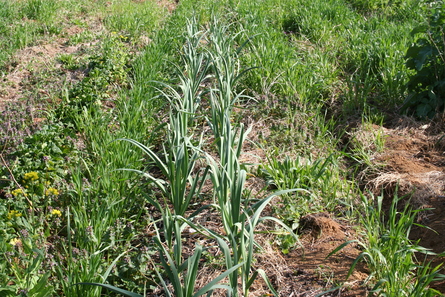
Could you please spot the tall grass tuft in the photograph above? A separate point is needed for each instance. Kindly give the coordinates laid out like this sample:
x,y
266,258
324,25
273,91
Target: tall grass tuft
x,y
390,254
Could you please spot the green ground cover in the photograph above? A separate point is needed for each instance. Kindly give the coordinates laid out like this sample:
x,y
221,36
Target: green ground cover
x,y
103,190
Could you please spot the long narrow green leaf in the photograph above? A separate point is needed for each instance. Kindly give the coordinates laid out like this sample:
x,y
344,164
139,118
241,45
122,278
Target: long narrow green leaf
x,y
42,288
159,182
164,285
211,285
112,288
328,291
341,246
283,225
360,257
248,255
260,205
108,271
267,281
149,152
251,279
192,271
170,268
233,278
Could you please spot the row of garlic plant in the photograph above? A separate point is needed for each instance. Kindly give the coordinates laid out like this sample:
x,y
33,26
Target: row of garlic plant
x,y
238,215
179,158
211,73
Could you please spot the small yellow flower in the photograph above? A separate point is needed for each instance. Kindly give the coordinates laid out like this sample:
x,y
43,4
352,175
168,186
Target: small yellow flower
x,y
17,192
13,214
15,241
56,212
33,176
52,191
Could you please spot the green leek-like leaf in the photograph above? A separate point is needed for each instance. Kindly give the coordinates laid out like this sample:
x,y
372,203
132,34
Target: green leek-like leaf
x,y
112,288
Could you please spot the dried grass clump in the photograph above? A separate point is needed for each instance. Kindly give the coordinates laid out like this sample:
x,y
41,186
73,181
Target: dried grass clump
x,y
420,187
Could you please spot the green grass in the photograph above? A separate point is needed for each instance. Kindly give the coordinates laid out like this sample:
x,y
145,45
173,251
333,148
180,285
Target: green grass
x,y
173,85
390,254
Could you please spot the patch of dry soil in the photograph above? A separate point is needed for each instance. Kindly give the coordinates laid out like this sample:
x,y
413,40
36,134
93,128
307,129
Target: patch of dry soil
x,y
313,271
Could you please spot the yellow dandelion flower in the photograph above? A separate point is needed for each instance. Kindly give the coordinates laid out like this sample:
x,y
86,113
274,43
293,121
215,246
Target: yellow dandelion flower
x,y
15,241
33,176
17,192
52,191
56,212
13,214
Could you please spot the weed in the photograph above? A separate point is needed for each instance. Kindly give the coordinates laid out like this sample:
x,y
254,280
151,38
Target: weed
x,y
427,58
133,20
389,252
319,178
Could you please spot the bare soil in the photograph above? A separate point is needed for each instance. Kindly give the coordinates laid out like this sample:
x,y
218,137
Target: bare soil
x,y
313,272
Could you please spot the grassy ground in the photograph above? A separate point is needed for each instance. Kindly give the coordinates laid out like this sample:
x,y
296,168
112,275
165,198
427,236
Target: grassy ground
x,y
157,147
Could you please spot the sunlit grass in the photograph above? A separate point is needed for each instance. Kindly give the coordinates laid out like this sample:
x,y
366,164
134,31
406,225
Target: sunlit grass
x,y
390,254
170,85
